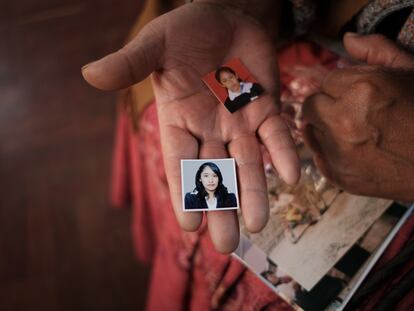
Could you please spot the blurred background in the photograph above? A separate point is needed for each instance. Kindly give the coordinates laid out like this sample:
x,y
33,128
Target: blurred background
x,y
62,246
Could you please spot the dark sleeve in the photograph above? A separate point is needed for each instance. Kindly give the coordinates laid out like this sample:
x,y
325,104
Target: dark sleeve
x,y
230,105
256,90
190,201
230,201
238,102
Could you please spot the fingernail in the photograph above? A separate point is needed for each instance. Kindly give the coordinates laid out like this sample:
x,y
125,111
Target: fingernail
x,y
351,34
85,66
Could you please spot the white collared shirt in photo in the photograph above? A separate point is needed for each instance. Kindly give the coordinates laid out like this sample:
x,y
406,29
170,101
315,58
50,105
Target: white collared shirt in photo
x,y
212,205
245,87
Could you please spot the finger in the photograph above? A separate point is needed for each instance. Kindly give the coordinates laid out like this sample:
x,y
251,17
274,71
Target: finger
x,y
319,111
377,50
331,152
310,139
222,225
131,64
275,135
330,157
343,118
316,140
252,182
339,179
261,63
177,145
324,167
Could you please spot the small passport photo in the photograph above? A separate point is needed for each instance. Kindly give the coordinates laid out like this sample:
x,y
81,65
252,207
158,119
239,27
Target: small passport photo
x,y
233,85
209,185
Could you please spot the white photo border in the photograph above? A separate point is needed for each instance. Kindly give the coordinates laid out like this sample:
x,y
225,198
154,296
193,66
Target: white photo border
x,y
236,186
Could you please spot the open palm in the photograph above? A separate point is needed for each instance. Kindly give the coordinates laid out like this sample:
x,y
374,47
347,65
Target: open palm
x,y
179,48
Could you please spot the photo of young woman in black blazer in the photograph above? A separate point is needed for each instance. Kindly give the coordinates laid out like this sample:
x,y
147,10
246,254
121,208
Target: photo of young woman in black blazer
x,y
209,193
239,92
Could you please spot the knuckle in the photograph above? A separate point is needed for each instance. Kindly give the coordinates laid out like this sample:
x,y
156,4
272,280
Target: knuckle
x,y
348,125
379,39
366,86
367,93
330,77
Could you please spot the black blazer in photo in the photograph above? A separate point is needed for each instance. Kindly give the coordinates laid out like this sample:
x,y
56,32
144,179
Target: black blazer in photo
x,y
243,99
193,201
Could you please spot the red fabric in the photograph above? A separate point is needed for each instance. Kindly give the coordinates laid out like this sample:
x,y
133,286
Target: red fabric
x,y
120,195
187,273
403,237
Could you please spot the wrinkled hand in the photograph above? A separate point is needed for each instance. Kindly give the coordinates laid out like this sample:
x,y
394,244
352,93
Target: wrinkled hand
x,y
179,48
361,126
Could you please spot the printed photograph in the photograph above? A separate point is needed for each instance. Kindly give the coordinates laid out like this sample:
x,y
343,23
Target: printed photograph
x,y
233,85
253,257
301,206
334,287
312,224
209,185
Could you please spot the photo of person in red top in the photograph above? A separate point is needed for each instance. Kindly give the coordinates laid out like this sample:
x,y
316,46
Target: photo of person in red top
x,y
239,92
233,85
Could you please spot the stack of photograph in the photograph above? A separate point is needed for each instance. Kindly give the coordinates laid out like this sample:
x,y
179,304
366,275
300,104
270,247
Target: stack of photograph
x,y
320,242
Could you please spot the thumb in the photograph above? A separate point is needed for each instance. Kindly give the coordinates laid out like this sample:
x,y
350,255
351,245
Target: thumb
x,y
131,64
377,50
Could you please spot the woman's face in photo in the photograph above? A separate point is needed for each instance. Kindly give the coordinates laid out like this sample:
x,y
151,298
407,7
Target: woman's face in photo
x,y
229,81
209,179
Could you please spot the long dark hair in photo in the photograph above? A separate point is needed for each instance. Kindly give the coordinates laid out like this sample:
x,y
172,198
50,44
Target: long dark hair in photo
x,y
221,192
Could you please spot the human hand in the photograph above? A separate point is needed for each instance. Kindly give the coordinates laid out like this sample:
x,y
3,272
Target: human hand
x,y
179,48
360,127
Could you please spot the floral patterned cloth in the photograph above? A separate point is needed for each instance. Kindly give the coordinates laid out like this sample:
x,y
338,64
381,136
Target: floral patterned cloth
x,y
368,19
376,11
